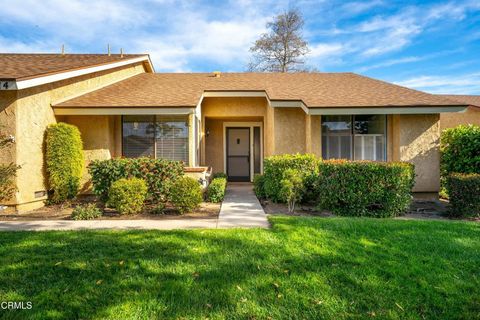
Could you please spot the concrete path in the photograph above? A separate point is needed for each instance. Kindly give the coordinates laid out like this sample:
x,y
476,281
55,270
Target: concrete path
x,y
241,208
44,225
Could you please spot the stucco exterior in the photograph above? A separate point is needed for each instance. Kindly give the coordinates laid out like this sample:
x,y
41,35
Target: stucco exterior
x,y
416,139
33,113
451,120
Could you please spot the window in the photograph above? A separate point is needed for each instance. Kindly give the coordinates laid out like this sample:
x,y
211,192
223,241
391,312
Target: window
x,y
359,137
162,137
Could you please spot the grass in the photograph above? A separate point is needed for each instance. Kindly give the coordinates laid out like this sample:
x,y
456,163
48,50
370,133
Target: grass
x,y
312,268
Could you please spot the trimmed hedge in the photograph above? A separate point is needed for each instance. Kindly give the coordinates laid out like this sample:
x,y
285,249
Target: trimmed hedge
x,y
460,150
464,194
157,173
275,166
186,194
365,188
64,160
216,190
258,186
219,175
127,195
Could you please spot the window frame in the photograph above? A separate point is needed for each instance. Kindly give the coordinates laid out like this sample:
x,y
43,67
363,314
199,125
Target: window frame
x,y
352,136
155,121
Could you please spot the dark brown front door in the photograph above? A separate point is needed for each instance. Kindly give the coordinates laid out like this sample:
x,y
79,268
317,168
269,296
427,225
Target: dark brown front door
x,y
238,154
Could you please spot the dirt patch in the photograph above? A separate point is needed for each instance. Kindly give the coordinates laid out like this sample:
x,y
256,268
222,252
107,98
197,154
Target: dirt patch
x,y
63,212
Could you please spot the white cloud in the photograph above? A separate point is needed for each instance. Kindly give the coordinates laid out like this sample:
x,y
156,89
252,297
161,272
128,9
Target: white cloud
x,y
454,84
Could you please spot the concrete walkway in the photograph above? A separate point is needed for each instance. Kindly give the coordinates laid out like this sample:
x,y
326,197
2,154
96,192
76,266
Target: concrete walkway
x,y
241,208
44,225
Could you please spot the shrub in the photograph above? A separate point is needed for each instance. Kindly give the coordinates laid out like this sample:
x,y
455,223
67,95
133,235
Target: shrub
x,y
275,166
291,188
157,173
64,159
460,150
219,175
365,188
464,194
86,212
7,181
258,186
7,173
127,195
186,194
216,190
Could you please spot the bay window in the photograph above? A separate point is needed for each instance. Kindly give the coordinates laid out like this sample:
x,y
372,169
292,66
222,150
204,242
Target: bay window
x,y
160,137
358,137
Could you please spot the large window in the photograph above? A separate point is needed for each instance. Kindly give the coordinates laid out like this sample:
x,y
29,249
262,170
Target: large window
x,y
156,136
359,137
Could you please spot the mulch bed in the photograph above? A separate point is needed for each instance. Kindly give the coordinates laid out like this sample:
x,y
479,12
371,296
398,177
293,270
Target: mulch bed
x,y
63,212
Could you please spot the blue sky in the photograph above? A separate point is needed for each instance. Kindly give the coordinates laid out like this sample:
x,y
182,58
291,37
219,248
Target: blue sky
x,y
428,45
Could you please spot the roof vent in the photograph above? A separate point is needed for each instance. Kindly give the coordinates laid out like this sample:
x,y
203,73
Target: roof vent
x,y
216,74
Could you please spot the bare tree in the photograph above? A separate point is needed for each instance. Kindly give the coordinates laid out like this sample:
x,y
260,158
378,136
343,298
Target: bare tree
x,y
283,48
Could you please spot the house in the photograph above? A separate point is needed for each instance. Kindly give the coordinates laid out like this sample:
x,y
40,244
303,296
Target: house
x,y
470,116
227,121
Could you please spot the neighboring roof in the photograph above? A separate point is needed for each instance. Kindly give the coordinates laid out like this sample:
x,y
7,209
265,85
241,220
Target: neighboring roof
x,y
15,66
313,89
472,100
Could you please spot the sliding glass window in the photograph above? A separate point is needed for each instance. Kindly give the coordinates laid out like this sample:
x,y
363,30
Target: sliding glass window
x,y
161,137
359,137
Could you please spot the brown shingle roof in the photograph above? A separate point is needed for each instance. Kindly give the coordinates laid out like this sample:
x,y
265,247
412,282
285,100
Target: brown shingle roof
x,y
314,89
467,99
17,66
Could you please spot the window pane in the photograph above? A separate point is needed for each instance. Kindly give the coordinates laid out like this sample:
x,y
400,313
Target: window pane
x,y
171,138
336,137
138,133
369,124
369,131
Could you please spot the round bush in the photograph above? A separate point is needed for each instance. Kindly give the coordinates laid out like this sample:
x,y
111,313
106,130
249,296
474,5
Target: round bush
x,y
185,194
275,167
127,195
64,159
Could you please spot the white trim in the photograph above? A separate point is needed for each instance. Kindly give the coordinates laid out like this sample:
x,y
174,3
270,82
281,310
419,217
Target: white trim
x,y
224,94
22,84
385,110
249,125
122,111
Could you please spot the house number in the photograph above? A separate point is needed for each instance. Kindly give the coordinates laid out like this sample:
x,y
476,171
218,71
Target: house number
x,y
7,85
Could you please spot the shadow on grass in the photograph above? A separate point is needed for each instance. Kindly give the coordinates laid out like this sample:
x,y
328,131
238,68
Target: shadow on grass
x,y
302,268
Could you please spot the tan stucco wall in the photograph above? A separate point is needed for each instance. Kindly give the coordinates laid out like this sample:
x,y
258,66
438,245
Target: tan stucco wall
x,y
34,113
416,139
453,119
289,130
98,136
313,136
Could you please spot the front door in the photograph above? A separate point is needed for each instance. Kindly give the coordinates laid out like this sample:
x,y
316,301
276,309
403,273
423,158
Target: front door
x,y
238,154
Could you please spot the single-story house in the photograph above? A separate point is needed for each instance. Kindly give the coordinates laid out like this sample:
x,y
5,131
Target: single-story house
x,y
227,121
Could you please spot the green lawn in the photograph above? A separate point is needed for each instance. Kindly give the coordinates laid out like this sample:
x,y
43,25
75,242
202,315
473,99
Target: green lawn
x,y
314,268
